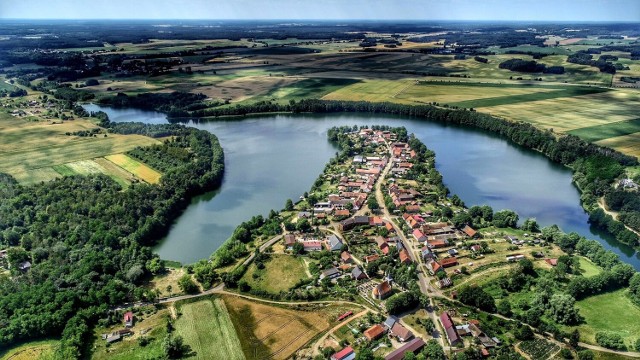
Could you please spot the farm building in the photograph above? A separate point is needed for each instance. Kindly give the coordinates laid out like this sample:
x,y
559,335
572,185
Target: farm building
x,y
413,346
374,332
128,319
358,274
331,273
344,354
469,231
448,262
402,333
289,241
449,329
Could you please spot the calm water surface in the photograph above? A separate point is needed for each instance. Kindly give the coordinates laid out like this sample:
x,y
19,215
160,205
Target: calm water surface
x,y
273,158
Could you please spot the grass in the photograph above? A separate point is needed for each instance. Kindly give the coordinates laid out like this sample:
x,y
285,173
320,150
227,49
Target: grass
x,y
606,131
135,167
529,97
370,90
588,268
281,273
206,326
41,350
169,278
277,332
612,311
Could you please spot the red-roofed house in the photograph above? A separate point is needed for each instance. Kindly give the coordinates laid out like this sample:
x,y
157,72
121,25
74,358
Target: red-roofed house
x,y
382,290
128,319
469,231
371,258
404,257
448,262
419,235
435,244
374,332
552,262
346,257
449,329
344,354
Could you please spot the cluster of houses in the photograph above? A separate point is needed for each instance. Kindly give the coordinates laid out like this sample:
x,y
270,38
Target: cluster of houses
x,y
330,243
401,154
392,327
455,333
117,335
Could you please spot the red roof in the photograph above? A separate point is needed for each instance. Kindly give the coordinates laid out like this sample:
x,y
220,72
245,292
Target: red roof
x,y
371,258
382,289
552,262
343,353
128,316
469,231
452,261
437,243
345,256
344,212
418,234
374,332
404,256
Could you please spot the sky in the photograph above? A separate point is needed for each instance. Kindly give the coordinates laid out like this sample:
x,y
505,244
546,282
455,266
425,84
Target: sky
x,y
503,10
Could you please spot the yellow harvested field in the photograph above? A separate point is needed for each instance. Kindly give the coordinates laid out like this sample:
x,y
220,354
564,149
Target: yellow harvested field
x,y
135,167
564,114
32,350
116,172
628,144
276,332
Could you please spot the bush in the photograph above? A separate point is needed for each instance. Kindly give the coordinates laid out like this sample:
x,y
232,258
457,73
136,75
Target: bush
x,y
187,285
610,340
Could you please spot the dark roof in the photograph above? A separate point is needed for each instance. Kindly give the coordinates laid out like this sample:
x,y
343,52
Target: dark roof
x,y
356,273
412,346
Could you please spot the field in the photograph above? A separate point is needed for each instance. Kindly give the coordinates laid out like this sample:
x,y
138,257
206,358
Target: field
x,y
135,167
206,326
276,332
162,281
588,268
31,149
34,350
281,273
611,311
539,349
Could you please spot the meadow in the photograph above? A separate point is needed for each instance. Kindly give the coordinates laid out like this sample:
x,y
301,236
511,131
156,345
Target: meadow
x,y
281,273
135,167
40,350
206,326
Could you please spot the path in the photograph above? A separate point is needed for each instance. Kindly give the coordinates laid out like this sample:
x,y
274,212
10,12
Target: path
x,y
262,248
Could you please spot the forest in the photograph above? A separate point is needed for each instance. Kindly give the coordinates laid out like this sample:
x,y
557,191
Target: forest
x,y
88,239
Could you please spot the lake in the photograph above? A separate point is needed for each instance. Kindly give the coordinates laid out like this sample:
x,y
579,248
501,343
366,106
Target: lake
x,y
276,157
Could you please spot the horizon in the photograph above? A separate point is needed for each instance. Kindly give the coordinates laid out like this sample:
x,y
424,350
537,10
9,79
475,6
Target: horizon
x,y
329,10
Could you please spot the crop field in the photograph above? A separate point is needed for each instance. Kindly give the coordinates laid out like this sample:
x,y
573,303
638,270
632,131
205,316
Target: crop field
x,y
40,350
602,313
206,326
30,150
277,332
281,273
539,349
370,90
135,167
606,131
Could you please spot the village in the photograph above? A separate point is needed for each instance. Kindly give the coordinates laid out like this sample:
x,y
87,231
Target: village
x,y
382,222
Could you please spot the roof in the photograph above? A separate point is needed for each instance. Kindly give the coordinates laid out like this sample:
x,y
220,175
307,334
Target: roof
x,y
334,241
448,261
390,321
128,316
343,212
289,239
374,332
469,231
412,346
345,256
445,319
331,272
401,331
404,256
371,258
356,273
552,262
343,353
382,289
418,234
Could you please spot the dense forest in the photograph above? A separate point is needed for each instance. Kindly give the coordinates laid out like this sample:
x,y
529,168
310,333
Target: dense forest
x,y
530,66
87,239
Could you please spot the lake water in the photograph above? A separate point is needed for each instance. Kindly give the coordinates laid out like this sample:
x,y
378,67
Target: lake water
x,y
273,158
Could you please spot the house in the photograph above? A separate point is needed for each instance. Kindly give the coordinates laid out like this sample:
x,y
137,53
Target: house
x,y
289,241
444,283
342,212
24,266
128,319
476,248
434,267
419,235
344,354
382,290
402,333
412,209
113,338
413,346
552,262
331,273
426,253
390,321
376,221
371,258
404,257
436,244
304,215
448,262
374,332
382,244
334,243
359,159
312,245
346,257
449,329
469,231
358,274
514,258
389,226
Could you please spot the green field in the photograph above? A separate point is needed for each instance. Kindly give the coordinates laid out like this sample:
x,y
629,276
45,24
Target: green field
x,y
524,98
34,350
206,326
281,273
601,132
588,268
612,312
135,167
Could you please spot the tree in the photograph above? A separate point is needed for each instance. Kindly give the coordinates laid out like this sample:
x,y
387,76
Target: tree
x,y
476,296
365,354
531,225
610,340
288,205
504,307
574,338
187,285
174,347
155,265
298,248
505,219
562,309
372,203
523,332
585,355
135,273
433,351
